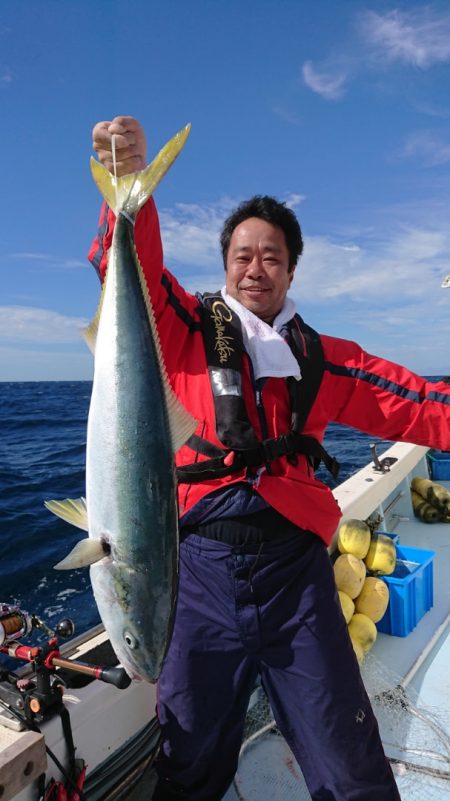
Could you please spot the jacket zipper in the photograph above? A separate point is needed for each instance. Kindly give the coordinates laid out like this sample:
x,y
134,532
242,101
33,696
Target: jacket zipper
x,y
261,414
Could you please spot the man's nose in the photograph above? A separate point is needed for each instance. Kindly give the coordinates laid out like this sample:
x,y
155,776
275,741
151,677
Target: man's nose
x,y
255,267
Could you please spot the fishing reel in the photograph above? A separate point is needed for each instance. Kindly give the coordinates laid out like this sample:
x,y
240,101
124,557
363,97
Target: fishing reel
x,y
16,623
36,696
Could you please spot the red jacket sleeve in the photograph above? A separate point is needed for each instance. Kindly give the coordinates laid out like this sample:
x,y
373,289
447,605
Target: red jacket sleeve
x,y
385,399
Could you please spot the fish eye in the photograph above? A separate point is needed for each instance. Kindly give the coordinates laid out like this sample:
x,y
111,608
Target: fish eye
x,y
106,546
130,640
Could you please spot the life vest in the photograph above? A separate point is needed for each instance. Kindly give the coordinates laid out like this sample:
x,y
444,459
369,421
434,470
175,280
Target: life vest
x,y
222,336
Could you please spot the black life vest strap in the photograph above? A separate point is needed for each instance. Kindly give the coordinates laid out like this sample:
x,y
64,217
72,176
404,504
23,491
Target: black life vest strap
x,y
289,445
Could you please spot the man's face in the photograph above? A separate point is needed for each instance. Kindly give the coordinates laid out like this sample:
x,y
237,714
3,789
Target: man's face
x,y
257,272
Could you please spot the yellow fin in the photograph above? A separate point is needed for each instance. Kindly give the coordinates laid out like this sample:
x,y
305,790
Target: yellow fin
x,y
86,552
72,511
90,333
128,193
182,425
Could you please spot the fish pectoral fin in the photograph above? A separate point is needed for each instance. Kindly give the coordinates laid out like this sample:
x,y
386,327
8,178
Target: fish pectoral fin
x,y
86,552
72,511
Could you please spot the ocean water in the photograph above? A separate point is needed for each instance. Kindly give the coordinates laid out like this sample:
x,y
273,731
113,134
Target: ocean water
x,y
42,456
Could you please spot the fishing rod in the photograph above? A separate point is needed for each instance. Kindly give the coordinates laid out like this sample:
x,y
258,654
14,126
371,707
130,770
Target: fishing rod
x,y
28,700
39,693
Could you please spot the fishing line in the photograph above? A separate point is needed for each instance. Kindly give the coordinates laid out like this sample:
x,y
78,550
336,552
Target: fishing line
x,y
113,152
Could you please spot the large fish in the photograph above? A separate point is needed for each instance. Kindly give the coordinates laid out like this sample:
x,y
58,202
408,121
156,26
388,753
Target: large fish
x,y
135,426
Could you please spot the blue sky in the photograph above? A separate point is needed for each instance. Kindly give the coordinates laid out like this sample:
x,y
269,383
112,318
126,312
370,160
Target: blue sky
x,y
340,109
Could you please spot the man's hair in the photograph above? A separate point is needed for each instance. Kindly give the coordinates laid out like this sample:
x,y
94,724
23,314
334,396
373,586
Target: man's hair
x,y
272,211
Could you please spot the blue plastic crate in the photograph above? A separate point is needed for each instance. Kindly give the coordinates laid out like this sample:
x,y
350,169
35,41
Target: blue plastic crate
x,y
394,537
439,465
410,591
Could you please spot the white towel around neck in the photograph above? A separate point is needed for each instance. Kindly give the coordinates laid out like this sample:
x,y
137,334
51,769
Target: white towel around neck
x,y
269,352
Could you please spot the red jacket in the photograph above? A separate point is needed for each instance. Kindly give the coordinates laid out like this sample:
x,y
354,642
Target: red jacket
x,y
360,390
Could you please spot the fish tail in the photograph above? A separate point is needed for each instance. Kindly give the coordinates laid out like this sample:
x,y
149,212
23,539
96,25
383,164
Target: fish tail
x,y
128,193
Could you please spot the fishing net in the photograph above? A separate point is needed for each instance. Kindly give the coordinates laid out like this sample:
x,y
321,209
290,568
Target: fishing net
x,y
416,738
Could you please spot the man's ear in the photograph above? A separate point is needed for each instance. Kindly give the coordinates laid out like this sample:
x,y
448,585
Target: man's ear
x,y
291,276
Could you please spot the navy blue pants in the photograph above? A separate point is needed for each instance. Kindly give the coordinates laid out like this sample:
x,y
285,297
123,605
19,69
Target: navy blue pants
x,y
274,613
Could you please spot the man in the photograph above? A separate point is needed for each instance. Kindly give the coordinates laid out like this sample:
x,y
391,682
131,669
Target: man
x,y
256,590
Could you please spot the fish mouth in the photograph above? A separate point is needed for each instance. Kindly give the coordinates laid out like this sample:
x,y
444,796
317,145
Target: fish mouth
x,y
139,666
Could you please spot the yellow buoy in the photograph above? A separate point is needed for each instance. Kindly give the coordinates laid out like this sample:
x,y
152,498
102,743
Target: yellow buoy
x,y
354,537
347,605
363,631
381,556
349,574
373,598
358,650
433,492
424,510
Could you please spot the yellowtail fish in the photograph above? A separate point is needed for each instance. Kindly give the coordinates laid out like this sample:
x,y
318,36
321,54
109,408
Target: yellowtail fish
x,y
135,426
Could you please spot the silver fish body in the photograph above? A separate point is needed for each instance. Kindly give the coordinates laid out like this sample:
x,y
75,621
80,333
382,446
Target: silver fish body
x,y
135,425
130,481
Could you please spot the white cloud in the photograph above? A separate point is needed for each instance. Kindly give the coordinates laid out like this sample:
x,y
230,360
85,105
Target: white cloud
x,y
293,200
329,84
419,36
288,115
28,255
376,285
431,110
403,335
191,232
410,262
45,364
407,268
199,282
428,146
51,260
386,295
39,326
6,77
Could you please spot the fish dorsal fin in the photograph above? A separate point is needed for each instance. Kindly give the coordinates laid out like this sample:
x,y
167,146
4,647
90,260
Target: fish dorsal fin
x,y
128,193
85,553
181,424
72,511
90,333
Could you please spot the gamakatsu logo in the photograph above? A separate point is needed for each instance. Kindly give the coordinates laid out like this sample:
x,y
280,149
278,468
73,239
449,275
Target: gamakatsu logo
x,y
220,314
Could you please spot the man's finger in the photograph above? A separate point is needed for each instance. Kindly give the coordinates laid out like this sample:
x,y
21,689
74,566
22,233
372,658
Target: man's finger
x,y
123,141
100,130
132,164
126,123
